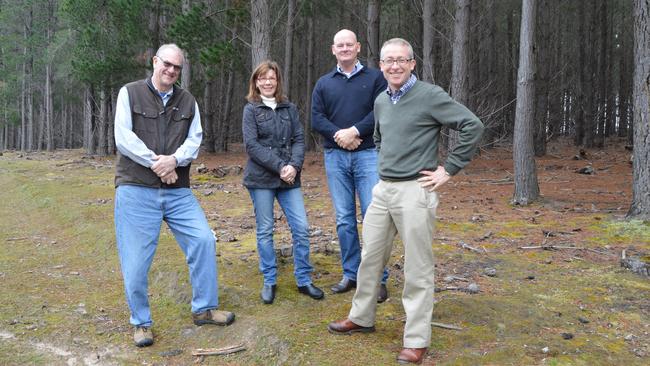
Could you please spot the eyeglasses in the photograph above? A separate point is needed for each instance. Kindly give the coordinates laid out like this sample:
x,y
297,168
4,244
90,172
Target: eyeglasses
x,y
264,80
399,61
167,65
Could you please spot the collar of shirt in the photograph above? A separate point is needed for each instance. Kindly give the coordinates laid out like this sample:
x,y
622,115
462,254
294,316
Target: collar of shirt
x,y
395,97
357,67
165,96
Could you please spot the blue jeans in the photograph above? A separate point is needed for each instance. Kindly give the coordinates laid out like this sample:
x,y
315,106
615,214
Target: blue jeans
x,y
139,213
292,204
350,174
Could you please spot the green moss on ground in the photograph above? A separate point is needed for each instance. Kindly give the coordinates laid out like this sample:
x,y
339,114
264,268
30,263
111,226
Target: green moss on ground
x,y
63,297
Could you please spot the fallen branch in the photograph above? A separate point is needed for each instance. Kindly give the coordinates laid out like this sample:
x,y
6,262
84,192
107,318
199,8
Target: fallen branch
x,y
468,247
446,326
556,247
448,288
435,324
16,239
219,351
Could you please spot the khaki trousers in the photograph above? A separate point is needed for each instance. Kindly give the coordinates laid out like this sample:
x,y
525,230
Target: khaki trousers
x,y
407,209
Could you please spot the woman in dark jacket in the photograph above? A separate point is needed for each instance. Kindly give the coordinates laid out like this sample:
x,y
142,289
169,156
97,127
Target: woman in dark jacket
x,y
274,141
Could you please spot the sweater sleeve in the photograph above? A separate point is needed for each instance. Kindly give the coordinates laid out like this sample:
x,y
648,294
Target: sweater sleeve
x,y
262,155
319,121
367,125
377,132
456,116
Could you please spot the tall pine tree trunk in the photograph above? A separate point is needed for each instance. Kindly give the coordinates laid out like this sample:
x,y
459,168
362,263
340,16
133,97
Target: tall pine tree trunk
x,y
27,104
427,41
526,186
288,46
260,31
460,61
640,208
102,123
186,76
309,142
374,13
543,55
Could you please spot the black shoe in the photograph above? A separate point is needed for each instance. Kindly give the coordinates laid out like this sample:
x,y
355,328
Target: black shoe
x,y
311,291
268,294
383,293
344,286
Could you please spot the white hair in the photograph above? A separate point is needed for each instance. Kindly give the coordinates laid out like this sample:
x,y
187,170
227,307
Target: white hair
x,y
396,41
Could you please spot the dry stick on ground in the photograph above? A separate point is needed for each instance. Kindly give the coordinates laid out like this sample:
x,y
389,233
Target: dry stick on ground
x,y
556,247
436,324
218,351
466,246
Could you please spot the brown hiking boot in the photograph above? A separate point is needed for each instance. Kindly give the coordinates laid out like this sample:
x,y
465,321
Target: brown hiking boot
x,y
214,316
143,336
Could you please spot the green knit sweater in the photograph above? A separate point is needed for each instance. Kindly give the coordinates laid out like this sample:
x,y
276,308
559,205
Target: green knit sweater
x,y
407,133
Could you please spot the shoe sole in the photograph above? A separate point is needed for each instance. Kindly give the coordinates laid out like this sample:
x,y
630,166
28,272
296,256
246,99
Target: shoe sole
x,y
406,362
313,297
145,343
339,291
212,322
350,332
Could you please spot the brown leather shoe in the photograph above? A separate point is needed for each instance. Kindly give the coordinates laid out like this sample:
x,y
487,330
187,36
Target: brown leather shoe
x,y
345,326
411,355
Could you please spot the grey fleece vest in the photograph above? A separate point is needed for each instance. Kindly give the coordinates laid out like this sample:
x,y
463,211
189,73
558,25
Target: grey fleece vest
x,y
162,128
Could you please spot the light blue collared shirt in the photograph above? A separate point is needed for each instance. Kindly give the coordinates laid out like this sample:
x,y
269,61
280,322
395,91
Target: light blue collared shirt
x,y
395,97
357,67
130,145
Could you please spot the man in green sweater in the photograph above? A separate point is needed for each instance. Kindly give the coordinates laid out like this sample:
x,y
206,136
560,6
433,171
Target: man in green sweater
x,y
408,122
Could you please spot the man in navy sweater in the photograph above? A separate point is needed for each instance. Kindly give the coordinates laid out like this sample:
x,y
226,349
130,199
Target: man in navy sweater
x,y
342,111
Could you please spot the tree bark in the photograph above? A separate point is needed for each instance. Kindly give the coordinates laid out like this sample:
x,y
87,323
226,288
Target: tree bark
x,y
459,86
603,77
526,186
309,141
543,55
208,116
374,14
27,104
640,207
288,47
186,76
427,41
49,104
260,31
102,123
90,140
221,138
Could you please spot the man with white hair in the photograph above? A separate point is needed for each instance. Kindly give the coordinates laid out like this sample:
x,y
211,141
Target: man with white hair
x,y
158,134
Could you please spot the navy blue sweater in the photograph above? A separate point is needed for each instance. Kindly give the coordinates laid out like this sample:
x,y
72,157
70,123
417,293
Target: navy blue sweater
x,y
338,102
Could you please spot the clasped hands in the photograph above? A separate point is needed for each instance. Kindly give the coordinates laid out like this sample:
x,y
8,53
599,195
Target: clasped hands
x,y
347,138
165,168
288,174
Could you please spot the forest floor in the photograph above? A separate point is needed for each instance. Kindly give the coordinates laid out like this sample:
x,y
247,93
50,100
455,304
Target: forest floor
x,y
551,289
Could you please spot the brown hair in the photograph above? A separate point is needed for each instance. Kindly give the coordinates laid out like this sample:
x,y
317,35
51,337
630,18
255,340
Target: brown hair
x,y
261,69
